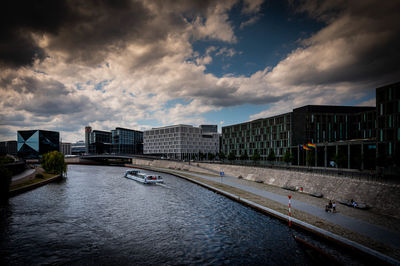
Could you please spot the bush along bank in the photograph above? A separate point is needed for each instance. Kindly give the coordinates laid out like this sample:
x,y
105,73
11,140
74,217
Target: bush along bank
x,y
53,169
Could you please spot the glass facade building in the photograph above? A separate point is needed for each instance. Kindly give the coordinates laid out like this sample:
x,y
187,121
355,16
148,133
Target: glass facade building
x,y
99,142
118,141
127,141
34,143
261,136
8,147
358,136
388,122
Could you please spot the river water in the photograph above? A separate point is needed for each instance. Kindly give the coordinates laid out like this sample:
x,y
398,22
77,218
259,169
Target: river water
x,y
95,216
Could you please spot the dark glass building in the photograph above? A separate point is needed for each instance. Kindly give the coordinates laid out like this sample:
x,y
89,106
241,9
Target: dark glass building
x,y
388,124
127,141
34,143
100,142
261,136
357,137
118,141
8,147
209,128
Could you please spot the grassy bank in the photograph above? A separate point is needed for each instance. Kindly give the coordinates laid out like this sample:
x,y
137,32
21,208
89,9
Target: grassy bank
x,y
45,177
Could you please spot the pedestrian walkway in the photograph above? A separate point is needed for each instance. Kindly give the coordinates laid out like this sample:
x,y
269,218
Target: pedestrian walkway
x,y
23,174
376,232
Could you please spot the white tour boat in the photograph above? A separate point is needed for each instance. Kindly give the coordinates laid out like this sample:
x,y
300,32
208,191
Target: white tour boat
x,y
142,177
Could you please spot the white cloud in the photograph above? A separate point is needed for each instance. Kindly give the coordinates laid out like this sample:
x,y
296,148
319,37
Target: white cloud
x,y
352,55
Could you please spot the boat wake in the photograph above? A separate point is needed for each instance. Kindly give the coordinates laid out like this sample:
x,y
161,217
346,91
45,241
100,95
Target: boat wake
x,y
162,185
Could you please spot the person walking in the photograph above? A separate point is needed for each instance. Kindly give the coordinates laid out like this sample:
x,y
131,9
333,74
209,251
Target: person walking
x,y
333,206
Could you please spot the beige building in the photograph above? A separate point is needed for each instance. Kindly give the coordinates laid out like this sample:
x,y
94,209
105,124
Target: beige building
x,y
180,141
65,148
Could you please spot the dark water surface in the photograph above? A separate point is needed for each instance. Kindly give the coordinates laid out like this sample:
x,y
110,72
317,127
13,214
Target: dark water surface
x,y
98,217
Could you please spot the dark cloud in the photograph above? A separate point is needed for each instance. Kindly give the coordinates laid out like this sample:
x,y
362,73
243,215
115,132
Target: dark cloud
x,y
86,31
19,19
357,45
81,28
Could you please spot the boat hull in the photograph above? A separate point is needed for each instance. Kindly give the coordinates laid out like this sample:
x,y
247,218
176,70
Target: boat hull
x,y
144,179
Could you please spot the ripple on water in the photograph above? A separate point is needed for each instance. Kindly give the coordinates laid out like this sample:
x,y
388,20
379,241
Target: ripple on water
x,y
98,217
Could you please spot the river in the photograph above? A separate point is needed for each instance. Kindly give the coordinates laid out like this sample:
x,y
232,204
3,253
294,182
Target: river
x,y
95,216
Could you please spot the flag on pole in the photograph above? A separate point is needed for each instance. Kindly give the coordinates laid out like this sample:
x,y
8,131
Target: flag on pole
x,y
305,147
310,145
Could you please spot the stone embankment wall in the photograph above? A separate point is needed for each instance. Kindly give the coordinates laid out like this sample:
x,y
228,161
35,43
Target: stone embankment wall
x,y
382,197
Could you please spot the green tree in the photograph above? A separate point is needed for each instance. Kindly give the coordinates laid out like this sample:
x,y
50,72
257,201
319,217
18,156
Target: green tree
x,y
244,156
231,156
271,156
53,163
5,182
211,156
256,156
221,155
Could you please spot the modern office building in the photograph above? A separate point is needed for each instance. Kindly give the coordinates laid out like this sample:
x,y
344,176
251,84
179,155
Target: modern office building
x,y
78,148
261,136
8,147
88,130
65,148
100,142
355,134
388,123
209,128
181,141
118,141
34,143
127,141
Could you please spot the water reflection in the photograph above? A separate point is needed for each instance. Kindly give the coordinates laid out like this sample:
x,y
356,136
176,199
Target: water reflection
x,y
98,217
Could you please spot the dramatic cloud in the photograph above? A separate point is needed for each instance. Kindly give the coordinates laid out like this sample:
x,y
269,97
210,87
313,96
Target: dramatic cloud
x,y
67,64
355,52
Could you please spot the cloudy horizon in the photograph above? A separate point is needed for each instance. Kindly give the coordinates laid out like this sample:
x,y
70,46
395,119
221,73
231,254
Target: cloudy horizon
x,y
142,64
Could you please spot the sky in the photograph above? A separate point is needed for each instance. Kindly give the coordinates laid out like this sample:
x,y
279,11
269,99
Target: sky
x,y
142,64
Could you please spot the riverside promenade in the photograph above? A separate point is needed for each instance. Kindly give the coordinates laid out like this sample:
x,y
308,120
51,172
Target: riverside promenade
x,y
365,229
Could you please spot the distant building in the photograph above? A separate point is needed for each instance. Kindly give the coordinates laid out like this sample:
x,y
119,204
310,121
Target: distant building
x,y
88,130
8,147
209,128
262,136
34,143
127,141
99,142
118,141
78,148
388,123
180,141
65,148
357,135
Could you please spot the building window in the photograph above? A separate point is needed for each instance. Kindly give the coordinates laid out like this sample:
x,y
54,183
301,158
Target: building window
x,y
390,148
381,109
398,133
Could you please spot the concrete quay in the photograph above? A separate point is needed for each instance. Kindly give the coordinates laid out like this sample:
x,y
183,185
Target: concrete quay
x,y
367,230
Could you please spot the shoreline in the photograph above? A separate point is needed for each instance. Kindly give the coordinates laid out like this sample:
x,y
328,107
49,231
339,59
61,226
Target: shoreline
x,y
26,188
338,238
